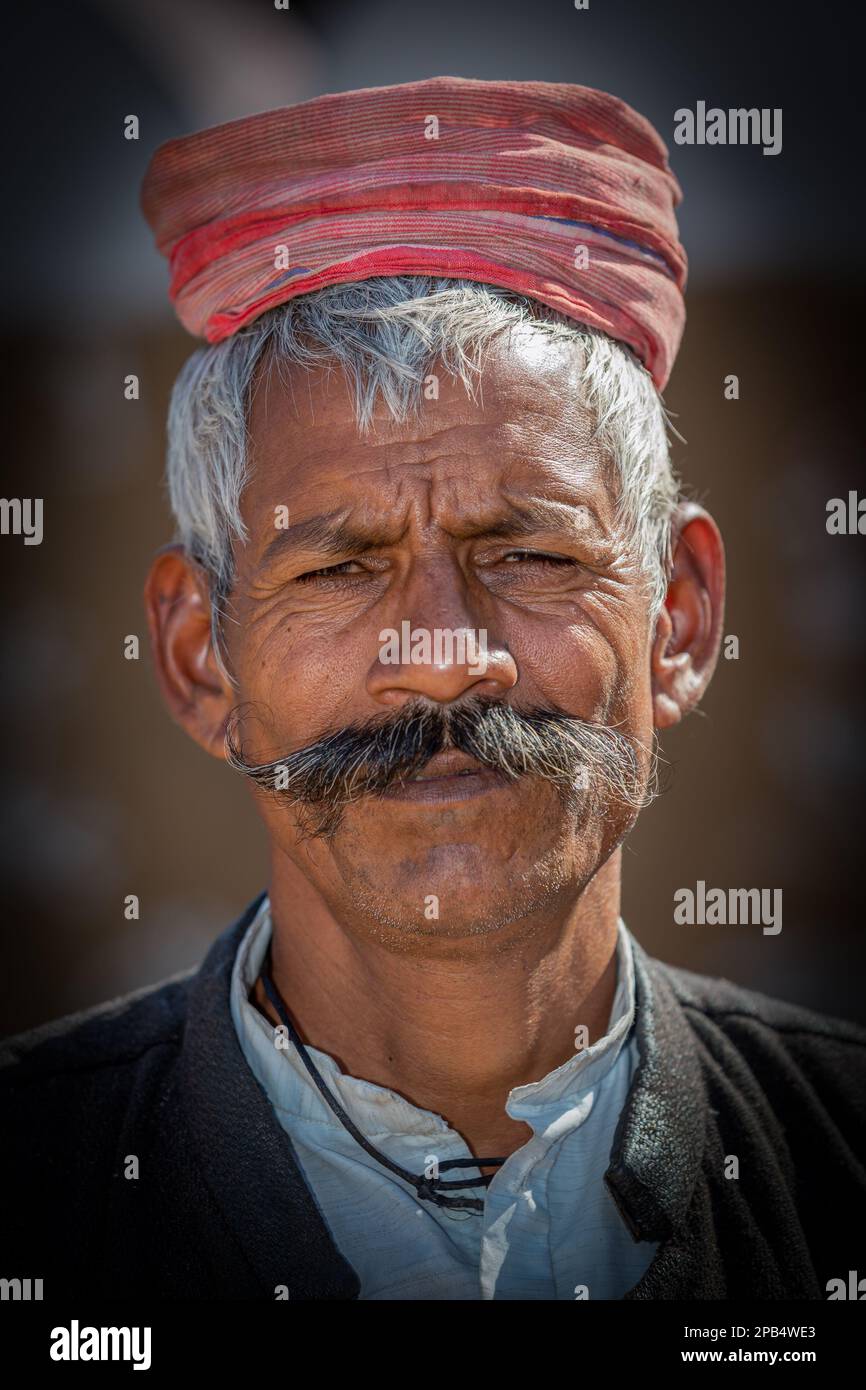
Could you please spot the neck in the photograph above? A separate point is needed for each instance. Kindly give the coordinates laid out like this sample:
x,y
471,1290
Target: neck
x,y
486,1013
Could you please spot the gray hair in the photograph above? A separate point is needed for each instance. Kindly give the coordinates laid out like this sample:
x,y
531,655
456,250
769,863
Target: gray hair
x,y
386,334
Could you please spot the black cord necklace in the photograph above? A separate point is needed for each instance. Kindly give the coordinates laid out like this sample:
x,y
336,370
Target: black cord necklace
x,y
427,1189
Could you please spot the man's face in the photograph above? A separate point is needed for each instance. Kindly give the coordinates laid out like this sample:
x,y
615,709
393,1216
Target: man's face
x,y
441,536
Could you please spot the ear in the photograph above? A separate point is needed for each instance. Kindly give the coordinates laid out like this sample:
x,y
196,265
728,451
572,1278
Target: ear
x,y
195,691
689,629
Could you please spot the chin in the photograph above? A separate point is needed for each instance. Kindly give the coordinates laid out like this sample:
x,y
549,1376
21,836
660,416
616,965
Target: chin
x,y
459,891
433,919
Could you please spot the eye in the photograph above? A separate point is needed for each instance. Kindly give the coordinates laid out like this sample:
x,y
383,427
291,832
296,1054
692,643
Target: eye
x,y
537,557
328,572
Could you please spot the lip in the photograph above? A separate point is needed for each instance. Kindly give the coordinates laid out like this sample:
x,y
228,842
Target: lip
x,y
448,763
449,776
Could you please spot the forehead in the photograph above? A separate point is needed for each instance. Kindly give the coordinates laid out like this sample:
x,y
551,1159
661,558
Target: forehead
x,y
527,431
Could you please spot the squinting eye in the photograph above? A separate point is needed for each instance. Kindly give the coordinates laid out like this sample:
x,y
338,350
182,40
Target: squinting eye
x,y
538,556
323,573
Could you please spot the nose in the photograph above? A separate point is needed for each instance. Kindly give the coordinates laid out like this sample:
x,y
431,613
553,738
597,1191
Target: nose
x,y
439,664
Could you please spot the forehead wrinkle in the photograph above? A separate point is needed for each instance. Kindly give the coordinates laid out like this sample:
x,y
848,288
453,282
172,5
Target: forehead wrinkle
x,y
449,503
503,411
496,437
501,444
345,533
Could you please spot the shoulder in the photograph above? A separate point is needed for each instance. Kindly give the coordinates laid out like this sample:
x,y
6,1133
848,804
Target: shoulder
x,y
804,1063
737,1010
70,1092
78,1096
118,1055
97,1046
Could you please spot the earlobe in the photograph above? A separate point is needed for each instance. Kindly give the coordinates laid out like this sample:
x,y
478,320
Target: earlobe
x,y
689,628
179,619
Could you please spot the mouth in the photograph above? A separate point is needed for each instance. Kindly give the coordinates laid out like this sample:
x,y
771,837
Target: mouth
x,y
449,776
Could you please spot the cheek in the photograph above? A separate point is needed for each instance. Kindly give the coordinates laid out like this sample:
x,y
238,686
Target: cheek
x,y
300,677
634,701
577,666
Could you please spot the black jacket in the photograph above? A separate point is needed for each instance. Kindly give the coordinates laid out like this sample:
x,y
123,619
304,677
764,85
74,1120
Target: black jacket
x,y
220,1208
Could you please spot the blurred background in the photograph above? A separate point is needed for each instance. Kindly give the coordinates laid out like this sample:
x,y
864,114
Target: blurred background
x,y
102,795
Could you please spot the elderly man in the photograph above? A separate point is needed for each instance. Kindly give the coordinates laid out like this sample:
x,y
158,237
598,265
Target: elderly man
x,y
433,592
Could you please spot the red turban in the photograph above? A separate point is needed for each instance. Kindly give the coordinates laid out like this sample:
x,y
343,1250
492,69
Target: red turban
x,y
560,192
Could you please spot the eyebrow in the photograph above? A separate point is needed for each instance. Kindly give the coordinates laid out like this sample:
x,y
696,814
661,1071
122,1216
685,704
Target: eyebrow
x,y
328,535
334,535
534,514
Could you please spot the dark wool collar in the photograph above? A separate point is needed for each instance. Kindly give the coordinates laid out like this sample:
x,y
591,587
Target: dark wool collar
x,y
659,1141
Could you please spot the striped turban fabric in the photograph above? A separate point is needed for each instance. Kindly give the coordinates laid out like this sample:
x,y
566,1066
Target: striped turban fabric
x,y
559,192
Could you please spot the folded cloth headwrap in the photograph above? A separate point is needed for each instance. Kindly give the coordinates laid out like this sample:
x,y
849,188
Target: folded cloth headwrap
x,y
560,192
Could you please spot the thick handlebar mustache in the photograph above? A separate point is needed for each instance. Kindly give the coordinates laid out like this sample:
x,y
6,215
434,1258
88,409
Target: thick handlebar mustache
x,y
367,758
